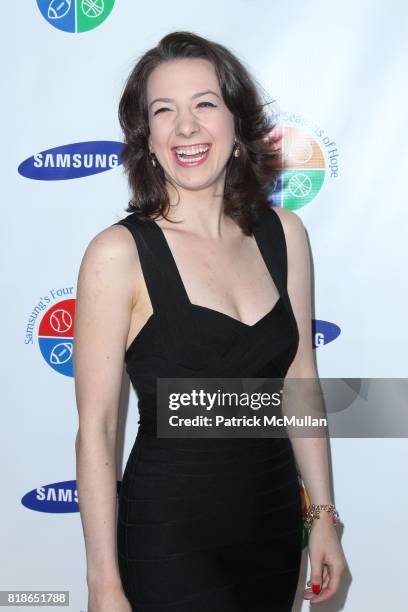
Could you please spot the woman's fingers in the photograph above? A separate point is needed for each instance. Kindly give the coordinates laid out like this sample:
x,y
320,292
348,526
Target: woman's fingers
x,y
331,586
316,576
326,577
323,583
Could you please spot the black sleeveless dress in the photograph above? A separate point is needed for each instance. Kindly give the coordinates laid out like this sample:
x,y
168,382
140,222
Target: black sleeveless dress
x,y
208,525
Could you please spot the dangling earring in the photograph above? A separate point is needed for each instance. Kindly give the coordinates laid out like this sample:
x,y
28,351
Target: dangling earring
x,y
152,159
237,149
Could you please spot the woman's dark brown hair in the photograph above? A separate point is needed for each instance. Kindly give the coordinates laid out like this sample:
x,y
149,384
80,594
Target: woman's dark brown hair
x,y
248,177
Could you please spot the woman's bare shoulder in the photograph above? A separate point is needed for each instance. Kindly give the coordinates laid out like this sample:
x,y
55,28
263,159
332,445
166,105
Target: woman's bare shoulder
x,y
291,222
112,257
293,228
113,244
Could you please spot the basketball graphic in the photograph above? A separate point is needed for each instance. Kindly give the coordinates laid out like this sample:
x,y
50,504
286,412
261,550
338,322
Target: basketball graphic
x,y
300,185
92,8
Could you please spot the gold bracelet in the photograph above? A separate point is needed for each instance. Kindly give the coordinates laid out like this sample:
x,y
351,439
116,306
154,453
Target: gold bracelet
x,y
313,512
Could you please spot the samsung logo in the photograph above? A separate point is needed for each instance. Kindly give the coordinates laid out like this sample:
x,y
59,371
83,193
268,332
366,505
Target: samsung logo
x,y
55,498
324,332
73,161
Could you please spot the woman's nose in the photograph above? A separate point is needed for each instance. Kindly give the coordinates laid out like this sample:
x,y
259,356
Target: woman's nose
x,y
186,124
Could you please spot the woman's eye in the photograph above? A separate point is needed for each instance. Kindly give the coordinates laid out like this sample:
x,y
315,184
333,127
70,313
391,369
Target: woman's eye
x,y
200,104
160,110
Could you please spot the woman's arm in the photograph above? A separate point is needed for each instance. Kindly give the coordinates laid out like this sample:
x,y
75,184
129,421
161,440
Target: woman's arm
x,y
326,555
107,284
310,453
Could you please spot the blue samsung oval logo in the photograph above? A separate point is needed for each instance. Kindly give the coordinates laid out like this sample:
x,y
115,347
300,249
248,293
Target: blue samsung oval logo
x,y
324,332
73,161
55,498
58,497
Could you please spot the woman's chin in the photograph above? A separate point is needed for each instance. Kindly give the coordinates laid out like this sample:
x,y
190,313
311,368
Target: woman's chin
x,y
192,183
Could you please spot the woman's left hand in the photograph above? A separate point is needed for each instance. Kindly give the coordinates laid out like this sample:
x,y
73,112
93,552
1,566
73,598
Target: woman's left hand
x,y
326,558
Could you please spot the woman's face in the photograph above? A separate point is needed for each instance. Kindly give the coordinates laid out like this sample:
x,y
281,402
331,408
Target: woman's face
x,y
191,129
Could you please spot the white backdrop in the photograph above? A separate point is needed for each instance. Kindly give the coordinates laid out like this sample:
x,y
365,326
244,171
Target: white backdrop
x,y
338,75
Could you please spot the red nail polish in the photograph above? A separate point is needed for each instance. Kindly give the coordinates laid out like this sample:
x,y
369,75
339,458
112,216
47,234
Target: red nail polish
x,y
316,588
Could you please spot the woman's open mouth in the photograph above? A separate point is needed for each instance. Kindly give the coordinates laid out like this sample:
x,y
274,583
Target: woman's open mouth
x,y
192,155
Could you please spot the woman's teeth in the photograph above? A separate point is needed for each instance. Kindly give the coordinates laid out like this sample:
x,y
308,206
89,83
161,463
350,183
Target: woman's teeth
x,y
192,154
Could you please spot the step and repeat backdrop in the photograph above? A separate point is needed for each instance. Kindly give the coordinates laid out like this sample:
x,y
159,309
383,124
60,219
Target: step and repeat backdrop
x,y
336,74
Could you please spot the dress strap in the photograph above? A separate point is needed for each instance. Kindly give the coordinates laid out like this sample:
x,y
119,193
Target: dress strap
x,y
171,268
272,243
162,283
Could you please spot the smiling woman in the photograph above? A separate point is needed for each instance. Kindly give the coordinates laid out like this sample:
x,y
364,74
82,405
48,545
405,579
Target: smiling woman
x,y
184,82
189,115
204,279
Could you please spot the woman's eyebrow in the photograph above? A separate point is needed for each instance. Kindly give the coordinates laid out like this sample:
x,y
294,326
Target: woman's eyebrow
x,y
196,95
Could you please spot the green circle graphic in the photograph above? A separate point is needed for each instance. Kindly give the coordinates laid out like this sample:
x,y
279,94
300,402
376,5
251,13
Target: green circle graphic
x,y
91,13
300,186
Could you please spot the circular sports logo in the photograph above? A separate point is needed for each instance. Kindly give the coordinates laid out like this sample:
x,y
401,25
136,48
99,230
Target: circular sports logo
x,y
56,335
75,15
302,166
